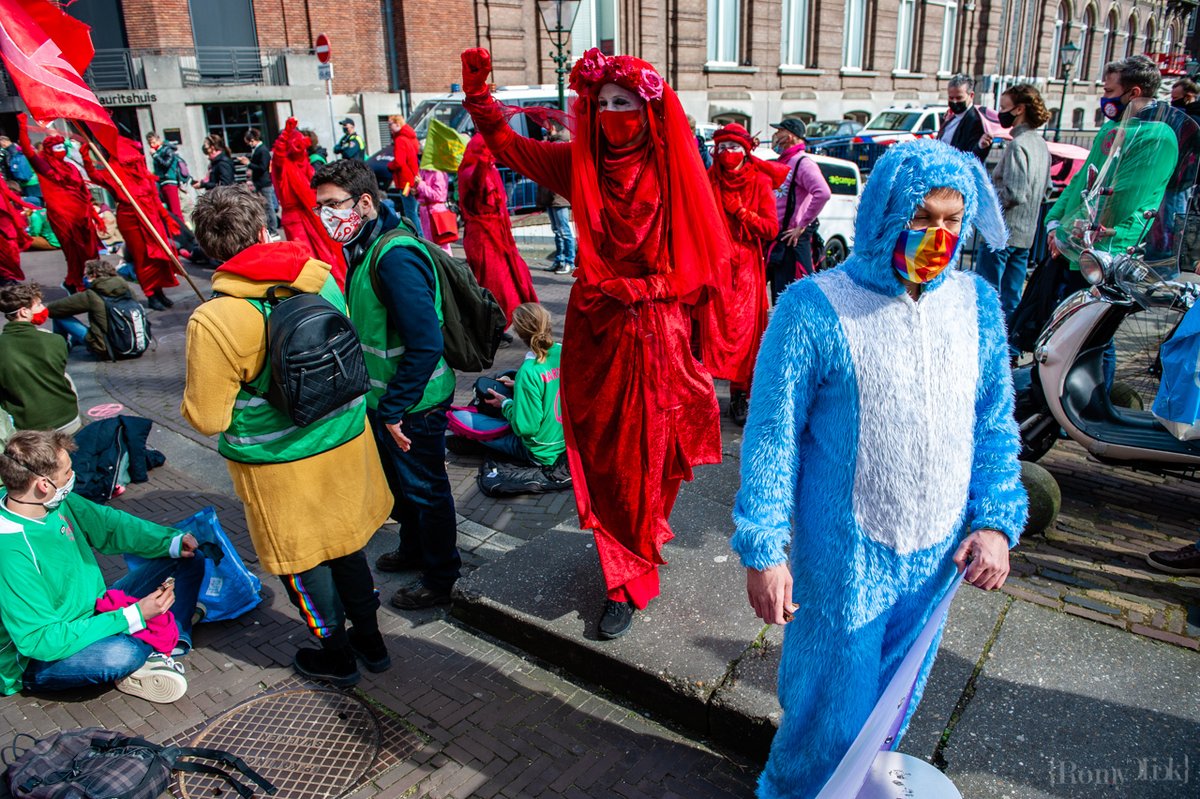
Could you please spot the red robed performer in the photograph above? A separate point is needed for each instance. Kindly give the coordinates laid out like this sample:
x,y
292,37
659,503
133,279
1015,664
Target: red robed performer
x,y
733,319
292,173
406,155
46,51
13,236
487,235
153,265
639,411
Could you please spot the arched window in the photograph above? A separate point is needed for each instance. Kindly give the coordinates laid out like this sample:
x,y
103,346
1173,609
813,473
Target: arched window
x,y
1062,33
1077,119
1131,36
1168,45
1110,44
1149,36
1087,39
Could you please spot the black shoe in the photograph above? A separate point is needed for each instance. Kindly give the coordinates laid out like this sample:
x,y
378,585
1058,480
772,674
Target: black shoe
x,y
553,267
739,407
397,561
506,340
164,299
155,303
334,666
1185,560
370,649
617,619
419,597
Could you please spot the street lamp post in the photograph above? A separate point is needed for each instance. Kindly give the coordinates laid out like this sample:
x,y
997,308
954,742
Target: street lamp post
x,y
1066,58
559,17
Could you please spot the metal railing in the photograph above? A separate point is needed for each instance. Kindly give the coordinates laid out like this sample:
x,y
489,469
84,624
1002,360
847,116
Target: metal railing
x,y
115,69
233,66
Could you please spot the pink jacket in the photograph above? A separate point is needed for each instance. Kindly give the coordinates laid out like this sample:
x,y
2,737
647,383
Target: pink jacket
x,y
812,192
161,632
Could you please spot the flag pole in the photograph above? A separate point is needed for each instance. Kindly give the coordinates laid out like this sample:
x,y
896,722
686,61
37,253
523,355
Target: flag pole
x,y
138,209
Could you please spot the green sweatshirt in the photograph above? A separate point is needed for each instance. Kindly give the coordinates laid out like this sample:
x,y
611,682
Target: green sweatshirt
x,y
49,580
33,378
534,411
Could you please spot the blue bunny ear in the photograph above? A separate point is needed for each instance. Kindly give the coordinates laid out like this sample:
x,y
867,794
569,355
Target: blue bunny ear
x,y
989,219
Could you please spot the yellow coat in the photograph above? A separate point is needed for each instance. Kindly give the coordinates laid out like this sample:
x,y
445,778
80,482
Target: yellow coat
x,y
302,513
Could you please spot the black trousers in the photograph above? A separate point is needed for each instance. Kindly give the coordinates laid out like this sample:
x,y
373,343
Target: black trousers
x,y
332,592
785,272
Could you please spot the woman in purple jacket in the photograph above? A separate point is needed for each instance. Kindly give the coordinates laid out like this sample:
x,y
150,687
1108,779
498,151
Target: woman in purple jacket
x,y
798,202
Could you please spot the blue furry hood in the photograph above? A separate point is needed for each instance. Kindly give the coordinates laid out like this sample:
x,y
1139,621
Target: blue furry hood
x,y
897,185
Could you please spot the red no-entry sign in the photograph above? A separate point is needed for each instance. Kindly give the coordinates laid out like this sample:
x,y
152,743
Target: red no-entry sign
x,y
324,53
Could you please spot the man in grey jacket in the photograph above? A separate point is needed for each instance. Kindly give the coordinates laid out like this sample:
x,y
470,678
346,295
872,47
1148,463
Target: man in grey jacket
x,y
1021,179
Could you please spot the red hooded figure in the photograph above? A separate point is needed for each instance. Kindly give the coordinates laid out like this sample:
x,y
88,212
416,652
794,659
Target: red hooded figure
x,y
153,265
733,319
68,202
13,234
639,411
406,155
487,238
291,173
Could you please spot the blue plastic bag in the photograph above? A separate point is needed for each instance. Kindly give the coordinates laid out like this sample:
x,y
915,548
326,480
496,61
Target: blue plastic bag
x,y
229,589
1177,404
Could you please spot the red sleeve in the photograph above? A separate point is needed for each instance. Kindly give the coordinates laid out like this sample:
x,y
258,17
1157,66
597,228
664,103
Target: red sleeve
x,y
102,178
762,220
545,163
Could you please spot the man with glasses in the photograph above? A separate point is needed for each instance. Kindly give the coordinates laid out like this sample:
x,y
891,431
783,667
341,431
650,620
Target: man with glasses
x,y
395,303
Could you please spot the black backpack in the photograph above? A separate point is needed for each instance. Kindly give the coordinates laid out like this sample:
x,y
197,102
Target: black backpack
x,y
314,356
94,763
128,327
472,321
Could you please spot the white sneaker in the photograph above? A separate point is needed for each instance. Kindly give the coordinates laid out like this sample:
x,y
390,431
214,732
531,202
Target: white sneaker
x,y
160,679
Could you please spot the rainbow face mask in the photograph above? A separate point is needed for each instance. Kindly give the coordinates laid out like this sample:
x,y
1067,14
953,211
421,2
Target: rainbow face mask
x,y
922,254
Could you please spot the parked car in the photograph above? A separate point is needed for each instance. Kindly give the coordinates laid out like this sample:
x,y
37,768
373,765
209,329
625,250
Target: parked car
x,y
826,132
902,124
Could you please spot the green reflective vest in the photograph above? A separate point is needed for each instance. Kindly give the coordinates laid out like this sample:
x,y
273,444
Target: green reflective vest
x,y
261,433
383,348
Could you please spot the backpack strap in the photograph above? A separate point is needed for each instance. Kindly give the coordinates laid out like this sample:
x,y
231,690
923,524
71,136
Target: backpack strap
x,y
243,790
264,305
229,759
14,749
791,195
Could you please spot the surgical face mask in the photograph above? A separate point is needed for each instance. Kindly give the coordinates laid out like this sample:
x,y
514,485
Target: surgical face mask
x,y
922,254
1112,107
622,127
341,225
959,106
60,494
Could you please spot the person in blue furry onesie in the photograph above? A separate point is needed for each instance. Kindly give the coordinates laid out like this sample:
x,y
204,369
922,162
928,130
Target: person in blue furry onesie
x,y
880,456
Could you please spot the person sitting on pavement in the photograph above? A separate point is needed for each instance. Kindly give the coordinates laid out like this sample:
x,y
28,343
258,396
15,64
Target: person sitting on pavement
x,y
60,627
100,280
313,495
392,288
880,455
534,409
34,386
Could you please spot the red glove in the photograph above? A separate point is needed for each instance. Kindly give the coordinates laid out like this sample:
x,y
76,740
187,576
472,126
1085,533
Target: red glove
x,y
477,65
625,290
732,203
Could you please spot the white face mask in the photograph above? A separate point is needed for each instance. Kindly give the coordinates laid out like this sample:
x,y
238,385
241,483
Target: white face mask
x,y
60,494
341,225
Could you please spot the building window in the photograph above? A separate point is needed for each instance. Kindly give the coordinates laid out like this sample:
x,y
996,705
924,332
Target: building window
x,y
1110,44
1169,41
732,118
1062,34
1131,36
724,31
949,34
595,26
1077,119
906,16
855,34
1149,36
795,33
1086,43
233,120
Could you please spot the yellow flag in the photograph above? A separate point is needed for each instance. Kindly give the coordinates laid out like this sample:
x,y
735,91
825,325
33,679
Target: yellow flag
x,y
444,148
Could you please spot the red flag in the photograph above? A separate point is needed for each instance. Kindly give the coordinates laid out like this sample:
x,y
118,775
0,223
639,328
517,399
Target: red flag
x,y
35,38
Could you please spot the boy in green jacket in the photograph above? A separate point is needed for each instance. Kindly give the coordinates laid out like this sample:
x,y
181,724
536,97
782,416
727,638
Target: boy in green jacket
x,y
34,387
51,636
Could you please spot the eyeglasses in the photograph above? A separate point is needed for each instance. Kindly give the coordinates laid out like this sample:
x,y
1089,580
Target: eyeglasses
x,y
331,204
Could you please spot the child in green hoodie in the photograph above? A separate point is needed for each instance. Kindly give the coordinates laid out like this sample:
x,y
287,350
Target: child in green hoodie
x,y
534,411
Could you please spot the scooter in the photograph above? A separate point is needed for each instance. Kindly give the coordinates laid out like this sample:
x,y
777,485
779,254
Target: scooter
x,y
1133,303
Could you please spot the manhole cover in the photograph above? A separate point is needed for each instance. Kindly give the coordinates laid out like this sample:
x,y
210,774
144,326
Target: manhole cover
x,y
309,743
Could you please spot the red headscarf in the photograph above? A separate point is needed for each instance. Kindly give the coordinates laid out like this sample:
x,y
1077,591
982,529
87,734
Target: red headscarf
x,y
698,248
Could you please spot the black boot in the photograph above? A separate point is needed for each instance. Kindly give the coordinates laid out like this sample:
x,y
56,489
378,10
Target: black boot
x,y
739,407
155,303
370,649
332,664
165,300
617,619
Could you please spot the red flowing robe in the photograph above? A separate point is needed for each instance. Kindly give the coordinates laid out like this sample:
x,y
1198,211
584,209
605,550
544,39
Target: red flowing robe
x,y
68,210
639,411
733,319
13,236
151,263
488,239
405,161
291,173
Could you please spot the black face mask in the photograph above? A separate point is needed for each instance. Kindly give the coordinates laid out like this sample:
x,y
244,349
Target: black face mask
x,y
960,106
1007,118
1181,103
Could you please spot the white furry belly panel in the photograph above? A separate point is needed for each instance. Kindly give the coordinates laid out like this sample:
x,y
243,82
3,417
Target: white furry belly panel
x,y
917,368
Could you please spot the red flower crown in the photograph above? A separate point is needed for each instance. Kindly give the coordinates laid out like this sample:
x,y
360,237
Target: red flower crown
x,y
596,69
